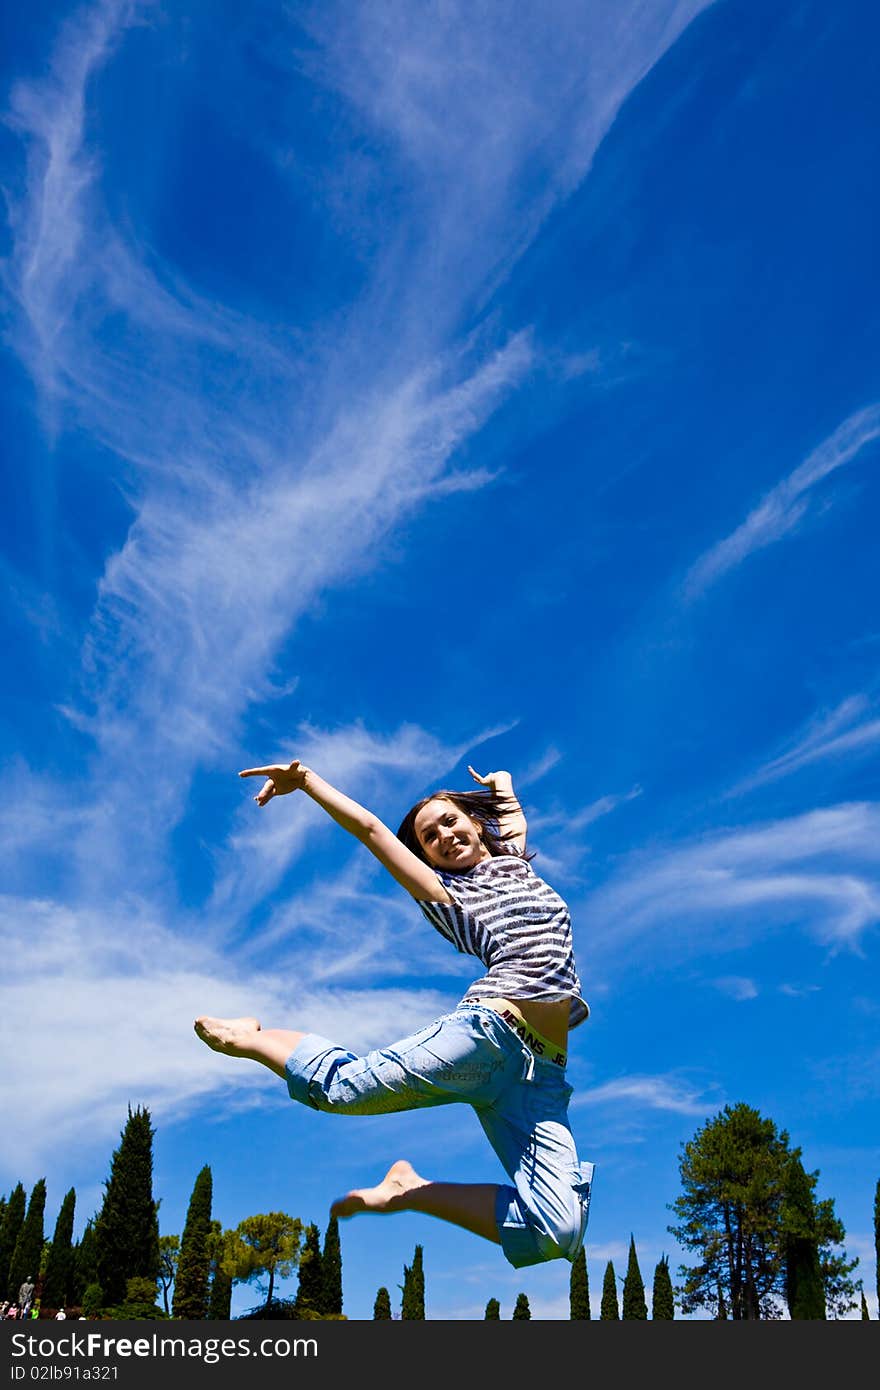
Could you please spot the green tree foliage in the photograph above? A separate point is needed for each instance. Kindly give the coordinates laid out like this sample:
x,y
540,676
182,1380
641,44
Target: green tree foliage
x,y
263,1249
25,1262
876,1238
413,1301
169,1254
58,1280
310,1295
220,1296
579,1287
331,1266
521,1309
382,1305
662,1297
804,1291
127,1226
191,1282
635,1305
139,1303
493,1311
92,1300
608,1309
85,1262
734,1174
13,1220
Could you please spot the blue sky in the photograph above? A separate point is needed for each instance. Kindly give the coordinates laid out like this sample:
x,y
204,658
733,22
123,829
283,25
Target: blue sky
x,y
399,387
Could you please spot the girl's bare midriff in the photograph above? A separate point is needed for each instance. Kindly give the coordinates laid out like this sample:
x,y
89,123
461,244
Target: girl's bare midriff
x,y
546,1016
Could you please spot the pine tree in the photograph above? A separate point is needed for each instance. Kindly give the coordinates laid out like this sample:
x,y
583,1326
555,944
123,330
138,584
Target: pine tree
x,y
413,1303
733,1212
331,1267
635,1305
58,1279
579,1288
493,1311
127,1227
608,1310
13,1219
267,1244
721,1306
382,1306
804,1291
25,1262
191,1280
311,1275
521,1310
662,1297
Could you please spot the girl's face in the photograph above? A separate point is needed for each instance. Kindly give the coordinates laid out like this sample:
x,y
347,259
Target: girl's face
x,y
449,838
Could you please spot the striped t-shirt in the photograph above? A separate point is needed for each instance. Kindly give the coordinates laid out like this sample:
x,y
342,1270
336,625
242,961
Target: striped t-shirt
x,y
517,925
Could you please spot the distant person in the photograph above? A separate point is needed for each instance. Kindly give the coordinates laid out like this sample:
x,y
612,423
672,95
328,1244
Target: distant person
x,y
60,1315
462,857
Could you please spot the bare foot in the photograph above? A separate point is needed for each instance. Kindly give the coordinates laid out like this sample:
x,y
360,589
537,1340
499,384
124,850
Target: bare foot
x,y
234,1036
389,1195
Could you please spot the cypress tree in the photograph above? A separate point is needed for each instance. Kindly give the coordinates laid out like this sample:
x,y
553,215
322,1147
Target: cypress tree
x,y
311,1276
331,1268
85,1262
579,1288
804,1289
220,1297
58,1279
26,1257
662,1298
634,1303
413,1305
190,1299
521,1310
13,1219
382,1306
877,1238
609,1310
865,1314
493,1311
127,1227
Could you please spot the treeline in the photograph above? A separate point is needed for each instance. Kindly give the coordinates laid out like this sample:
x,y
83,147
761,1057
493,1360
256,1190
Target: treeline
x,y
765,1246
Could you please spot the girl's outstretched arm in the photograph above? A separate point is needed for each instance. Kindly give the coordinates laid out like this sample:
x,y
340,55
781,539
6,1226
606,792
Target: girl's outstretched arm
x,y
511,821
411,873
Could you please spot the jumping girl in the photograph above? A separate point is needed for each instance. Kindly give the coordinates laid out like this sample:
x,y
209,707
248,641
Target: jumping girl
x,y
462,856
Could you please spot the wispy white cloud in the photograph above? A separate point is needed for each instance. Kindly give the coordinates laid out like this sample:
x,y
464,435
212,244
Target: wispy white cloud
x,y
260,478
120,1030
841,732
668,1093
737,987
783,507
816,872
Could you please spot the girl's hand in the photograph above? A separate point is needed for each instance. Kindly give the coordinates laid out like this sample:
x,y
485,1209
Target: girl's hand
x,y
281,779
498,781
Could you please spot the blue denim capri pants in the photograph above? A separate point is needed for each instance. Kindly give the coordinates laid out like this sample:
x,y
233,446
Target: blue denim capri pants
x,y
520,1099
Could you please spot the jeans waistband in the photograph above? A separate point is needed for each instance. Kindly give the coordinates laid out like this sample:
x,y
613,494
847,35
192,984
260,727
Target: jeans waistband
x,y
534,1041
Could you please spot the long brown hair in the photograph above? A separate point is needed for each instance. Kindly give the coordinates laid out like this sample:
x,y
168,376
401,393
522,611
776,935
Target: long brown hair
x,y
485,807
